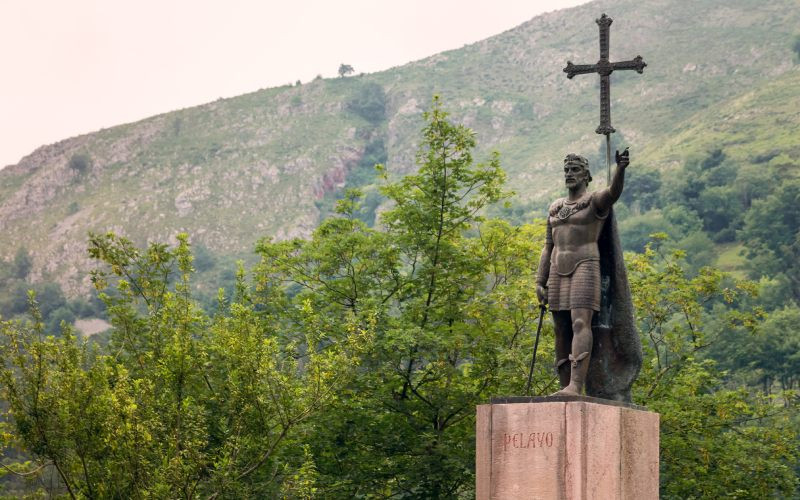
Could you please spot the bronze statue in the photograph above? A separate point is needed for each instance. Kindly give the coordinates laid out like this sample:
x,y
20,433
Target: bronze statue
x,y
582,278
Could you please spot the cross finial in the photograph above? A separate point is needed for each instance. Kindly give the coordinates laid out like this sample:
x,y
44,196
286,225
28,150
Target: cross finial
x,y
604,68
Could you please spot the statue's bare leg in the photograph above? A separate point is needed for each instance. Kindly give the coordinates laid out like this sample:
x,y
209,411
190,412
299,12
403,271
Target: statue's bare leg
x,y
562,321
581,352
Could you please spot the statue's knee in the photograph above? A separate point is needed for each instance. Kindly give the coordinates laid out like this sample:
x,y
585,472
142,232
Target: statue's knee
x,y
579,325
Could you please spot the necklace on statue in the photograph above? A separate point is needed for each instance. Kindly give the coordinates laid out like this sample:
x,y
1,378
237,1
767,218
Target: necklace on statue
x,y
568,209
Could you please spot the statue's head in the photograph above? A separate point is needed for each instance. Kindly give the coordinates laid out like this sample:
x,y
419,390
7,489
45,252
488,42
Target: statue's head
x,y
576,171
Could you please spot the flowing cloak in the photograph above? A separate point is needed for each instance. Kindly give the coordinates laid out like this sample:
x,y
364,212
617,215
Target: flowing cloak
x,y
616,348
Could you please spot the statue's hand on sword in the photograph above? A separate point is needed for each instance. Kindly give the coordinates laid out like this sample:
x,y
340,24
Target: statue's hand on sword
x,y
541,293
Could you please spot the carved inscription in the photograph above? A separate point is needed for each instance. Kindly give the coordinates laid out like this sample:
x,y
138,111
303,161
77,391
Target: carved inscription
x,y
527,440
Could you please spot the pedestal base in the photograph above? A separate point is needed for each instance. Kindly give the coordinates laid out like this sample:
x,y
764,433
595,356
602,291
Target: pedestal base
x,y
571,447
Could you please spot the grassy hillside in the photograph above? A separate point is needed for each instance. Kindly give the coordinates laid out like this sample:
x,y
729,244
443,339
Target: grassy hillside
x,y
755,138
269,162
759,126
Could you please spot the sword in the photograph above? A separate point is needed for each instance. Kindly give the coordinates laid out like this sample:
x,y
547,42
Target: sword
x,y
542,310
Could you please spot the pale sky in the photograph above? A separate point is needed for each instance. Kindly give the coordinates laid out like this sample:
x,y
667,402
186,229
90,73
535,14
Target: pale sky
x,y
75,66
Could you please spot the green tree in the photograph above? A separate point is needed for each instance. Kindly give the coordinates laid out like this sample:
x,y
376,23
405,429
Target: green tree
x,y
699,251
637,231
453,297
22,263
369,102
796,46
14,300
777,352
50,297
753,182
80,162
642,191
59,315
344,70
716,441
771,234
204,259
179,403
769,358
706,186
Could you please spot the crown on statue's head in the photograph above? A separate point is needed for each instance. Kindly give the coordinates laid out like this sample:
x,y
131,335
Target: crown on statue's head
x,y
576,159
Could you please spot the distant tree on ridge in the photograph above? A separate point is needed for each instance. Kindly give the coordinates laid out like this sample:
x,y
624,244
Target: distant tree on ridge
x,y
345,69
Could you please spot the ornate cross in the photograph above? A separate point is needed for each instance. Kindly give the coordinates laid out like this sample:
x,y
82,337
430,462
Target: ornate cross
x,y
604,68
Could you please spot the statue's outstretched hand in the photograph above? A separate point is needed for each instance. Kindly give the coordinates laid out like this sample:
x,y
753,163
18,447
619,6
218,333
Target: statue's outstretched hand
x,y
623,159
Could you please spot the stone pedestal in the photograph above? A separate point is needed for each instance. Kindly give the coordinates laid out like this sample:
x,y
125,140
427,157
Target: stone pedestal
x,y
571,447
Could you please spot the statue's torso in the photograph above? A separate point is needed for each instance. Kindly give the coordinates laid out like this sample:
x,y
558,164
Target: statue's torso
x,y
576,228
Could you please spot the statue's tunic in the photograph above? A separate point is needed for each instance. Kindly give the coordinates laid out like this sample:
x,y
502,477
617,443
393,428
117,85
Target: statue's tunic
x,y
574,278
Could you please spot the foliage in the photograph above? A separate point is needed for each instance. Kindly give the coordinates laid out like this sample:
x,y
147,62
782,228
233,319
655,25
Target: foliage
x,y
80,162
637,230
453,298
704,186
179,403
54,307
775,353
796,46
681,226
14,300
345,69
204,260
715,441
772,233
369,102
642,190
22,263
723,195
769,358
698,249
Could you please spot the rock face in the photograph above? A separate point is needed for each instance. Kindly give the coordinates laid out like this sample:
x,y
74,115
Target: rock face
x,y
263,164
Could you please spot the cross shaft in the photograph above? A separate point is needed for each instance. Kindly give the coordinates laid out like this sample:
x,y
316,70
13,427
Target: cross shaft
x,y
604,68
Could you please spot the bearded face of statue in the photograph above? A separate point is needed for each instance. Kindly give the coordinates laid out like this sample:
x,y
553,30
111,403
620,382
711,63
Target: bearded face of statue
x,y
575,176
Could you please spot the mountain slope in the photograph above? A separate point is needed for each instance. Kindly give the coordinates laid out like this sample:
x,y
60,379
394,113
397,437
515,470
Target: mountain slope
x,y
263,164
756,127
